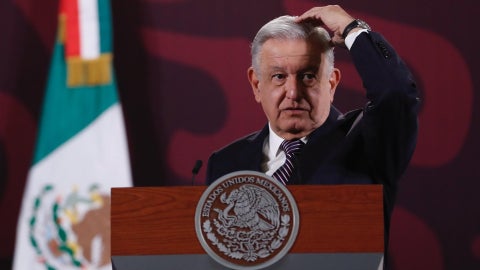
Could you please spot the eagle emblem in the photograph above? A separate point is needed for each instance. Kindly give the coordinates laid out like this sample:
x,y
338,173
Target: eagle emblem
x,y
246,219
252,208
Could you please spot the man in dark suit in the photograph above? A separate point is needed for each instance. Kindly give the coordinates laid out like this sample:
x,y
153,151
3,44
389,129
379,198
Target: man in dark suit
x,y
294,79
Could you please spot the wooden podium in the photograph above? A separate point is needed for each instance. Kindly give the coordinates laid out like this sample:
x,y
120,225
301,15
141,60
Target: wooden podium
x,y
341,227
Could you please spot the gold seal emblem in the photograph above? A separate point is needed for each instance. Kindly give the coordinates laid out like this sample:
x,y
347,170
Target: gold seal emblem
x,y
246,220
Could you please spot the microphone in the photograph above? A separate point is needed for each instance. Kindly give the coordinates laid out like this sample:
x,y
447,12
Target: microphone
x,y
196,168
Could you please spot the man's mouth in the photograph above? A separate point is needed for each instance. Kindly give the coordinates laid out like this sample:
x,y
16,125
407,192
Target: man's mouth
x,y
294,109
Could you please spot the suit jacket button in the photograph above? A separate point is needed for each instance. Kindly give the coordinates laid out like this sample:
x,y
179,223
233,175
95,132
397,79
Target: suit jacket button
x,y
386,53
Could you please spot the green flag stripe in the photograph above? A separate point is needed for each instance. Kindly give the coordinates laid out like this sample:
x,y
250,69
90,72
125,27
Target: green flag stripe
x,y
105,28
66,111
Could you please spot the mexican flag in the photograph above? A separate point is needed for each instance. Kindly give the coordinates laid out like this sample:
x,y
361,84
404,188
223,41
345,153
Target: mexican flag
x,y
81,150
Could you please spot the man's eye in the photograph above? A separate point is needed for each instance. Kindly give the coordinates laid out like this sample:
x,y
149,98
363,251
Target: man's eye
x,y
308,78
278,76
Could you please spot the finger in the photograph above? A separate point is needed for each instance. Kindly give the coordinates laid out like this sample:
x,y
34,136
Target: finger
x,y
312,14
314,21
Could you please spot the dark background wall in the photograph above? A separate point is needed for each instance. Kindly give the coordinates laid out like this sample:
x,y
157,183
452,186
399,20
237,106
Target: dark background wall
x,y
181,71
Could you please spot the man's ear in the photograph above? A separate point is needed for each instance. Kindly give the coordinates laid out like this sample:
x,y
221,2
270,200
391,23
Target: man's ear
x,y
334,80
254,81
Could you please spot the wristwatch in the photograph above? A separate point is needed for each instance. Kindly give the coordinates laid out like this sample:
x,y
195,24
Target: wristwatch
x,y
357,23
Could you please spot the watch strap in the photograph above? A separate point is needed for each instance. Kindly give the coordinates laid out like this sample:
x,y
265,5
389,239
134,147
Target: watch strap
x,y
354,24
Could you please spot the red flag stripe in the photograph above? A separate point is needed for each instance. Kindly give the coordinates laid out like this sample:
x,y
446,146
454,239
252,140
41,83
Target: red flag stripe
x,y
72,42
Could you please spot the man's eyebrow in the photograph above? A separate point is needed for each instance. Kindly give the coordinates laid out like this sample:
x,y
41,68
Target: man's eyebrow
x,y
275,68
314,68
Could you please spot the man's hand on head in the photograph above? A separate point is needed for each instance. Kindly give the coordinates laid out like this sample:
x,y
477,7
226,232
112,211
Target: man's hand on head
x,y
332,17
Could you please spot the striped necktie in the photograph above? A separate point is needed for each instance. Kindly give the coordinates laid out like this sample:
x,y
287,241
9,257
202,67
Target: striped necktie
x,y
292,149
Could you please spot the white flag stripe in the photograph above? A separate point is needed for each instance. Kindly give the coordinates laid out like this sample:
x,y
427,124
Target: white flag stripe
x,y
89,29
97,153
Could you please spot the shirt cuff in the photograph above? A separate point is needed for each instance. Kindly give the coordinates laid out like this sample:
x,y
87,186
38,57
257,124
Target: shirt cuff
x,y
352,36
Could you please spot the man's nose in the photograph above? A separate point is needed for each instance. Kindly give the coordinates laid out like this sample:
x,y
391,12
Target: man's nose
x,y
292,88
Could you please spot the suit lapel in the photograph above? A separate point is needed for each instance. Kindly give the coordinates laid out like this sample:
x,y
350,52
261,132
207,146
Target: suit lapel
x,y
254,153
321,143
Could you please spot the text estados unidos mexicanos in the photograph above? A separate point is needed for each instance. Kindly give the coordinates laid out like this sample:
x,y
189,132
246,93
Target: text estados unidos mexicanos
x,y
245,180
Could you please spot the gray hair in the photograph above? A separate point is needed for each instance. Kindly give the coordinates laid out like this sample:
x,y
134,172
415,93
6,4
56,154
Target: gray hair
x,y
286,28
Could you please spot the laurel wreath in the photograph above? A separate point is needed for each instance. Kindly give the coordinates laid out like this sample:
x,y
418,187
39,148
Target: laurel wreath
x,y
33,221
263,253
61,233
